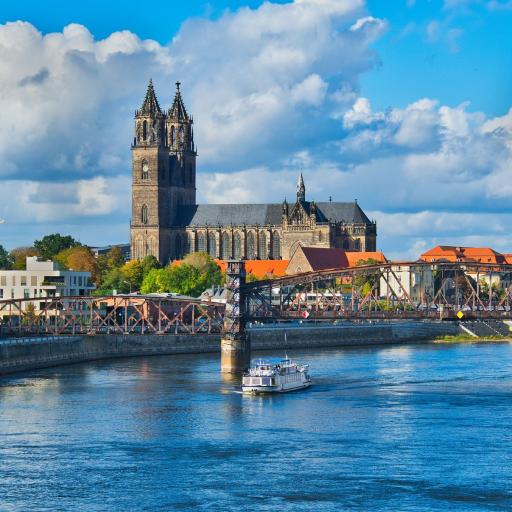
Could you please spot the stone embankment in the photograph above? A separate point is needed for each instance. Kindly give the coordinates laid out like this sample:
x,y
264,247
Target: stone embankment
x,y
31,353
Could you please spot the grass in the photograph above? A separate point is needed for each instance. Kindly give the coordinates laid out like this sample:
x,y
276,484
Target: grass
x,y
466,338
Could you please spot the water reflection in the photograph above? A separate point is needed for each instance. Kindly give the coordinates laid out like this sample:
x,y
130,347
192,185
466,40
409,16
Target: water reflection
x,y
385,428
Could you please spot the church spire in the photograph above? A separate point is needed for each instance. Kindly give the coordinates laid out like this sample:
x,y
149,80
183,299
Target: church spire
x,y
150,107
301,189
178,111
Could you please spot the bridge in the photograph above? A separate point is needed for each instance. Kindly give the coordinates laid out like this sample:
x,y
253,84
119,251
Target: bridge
x,y
441,290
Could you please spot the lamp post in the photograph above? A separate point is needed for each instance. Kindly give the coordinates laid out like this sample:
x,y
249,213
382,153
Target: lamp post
x,y
129,284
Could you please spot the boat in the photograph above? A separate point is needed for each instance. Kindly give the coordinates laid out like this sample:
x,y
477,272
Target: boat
x,y
275,377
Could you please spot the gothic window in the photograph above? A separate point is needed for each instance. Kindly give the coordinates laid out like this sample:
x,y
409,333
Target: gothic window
x,y
144,215
237,249
212,245
226,246
251,253
144,130
181,135
201,242
178,249
172,135
262,246
345,244
154,133
276,246
357,245
145,170
319,236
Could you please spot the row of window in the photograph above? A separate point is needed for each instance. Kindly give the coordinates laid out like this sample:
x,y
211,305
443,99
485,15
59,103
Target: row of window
x,y
35,280
231,246
176,136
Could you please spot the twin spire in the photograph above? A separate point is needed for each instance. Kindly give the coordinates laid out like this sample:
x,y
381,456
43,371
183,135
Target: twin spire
x,y
301,189
151,107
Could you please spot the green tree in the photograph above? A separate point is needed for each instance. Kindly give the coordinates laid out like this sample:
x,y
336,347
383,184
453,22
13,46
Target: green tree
x,y
185,278
149,263
115,258
50,245
19,256
132,272
364,281
112,280
5,258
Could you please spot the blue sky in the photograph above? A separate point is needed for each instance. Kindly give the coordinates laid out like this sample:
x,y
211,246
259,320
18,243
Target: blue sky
x,y
403,104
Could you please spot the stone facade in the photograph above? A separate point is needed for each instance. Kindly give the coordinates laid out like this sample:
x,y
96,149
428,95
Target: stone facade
x,y
168,223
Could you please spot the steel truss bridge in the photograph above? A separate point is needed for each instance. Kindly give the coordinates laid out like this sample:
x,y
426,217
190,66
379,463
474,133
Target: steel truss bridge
x,y
119,314
383,291
391,290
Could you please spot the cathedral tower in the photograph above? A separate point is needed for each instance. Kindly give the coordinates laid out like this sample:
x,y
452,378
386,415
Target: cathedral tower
x,y
163,174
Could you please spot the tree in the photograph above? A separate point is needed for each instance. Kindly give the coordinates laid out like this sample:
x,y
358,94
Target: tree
x,y
185,278
115,258
50,245
149,263
132,272
19,257
113,280
366,280
5,258
81,259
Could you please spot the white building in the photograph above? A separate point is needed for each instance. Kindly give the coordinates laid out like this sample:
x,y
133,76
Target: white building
x,y
408,280
43,279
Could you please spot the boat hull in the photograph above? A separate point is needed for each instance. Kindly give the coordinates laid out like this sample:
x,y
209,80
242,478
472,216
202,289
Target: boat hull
x,y
263,390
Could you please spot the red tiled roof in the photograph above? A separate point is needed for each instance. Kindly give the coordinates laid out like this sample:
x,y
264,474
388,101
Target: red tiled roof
x,y
452,253
323,258
354,257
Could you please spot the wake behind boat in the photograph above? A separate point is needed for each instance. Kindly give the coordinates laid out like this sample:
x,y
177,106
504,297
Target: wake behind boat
x,y
275,377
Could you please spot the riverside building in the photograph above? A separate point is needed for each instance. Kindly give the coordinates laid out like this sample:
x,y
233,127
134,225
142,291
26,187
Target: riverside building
x,y
43,279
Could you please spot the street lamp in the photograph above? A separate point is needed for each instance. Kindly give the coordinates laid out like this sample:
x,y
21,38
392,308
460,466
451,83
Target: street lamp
x,y
129,284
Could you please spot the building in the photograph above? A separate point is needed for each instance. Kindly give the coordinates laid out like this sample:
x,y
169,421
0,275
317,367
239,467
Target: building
x,y
408,281
101,251
313,259
464,255
168,223
43,279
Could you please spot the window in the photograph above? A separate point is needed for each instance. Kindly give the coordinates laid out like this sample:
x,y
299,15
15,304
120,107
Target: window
x,y
144,130
14,280
1,293
23,281
145,170
26,293
262,246
3,281
201,242
226,246
276,246
212,245
251,253
155,130
144,214
33,280
172,135
237,249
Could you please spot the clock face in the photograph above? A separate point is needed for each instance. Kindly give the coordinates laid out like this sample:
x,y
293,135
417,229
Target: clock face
x,y
145,167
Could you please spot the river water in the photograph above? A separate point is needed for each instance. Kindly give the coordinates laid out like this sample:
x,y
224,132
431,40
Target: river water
x,y
384,428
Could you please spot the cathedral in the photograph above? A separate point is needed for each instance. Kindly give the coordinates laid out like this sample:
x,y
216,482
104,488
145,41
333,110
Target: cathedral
x,y
168,223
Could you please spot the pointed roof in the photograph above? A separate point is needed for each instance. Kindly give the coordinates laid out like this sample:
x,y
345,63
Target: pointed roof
x,y
301,189
150,105
178,110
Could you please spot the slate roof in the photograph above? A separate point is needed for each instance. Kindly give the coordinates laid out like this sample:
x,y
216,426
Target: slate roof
x,y
264,214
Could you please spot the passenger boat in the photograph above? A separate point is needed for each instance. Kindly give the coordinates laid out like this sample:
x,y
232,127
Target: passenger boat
x,y
275,377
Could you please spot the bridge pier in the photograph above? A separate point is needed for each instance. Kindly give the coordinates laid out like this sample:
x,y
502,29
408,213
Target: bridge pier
x,y
235,344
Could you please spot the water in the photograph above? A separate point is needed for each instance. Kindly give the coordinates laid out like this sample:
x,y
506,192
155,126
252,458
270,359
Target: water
x,y
399,429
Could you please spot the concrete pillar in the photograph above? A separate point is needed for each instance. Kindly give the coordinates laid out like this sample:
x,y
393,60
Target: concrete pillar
x,y
235,344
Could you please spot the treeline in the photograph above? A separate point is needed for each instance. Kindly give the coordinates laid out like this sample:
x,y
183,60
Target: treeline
x,y
110,272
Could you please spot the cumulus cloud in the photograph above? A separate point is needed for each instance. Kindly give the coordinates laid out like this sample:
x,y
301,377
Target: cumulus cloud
x,y
273,91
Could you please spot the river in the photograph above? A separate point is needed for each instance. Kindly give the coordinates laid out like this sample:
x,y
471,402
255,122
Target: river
x,y
423,428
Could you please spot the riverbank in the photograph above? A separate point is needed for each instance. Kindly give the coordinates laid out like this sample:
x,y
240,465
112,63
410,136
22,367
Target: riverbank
x,y
466,338
24,354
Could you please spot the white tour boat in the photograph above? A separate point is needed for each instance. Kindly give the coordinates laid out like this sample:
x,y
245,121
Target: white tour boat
x,y
275,377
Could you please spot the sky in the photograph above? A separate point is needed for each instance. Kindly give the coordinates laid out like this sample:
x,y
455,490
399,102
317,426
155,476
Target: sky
x,y
402,104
